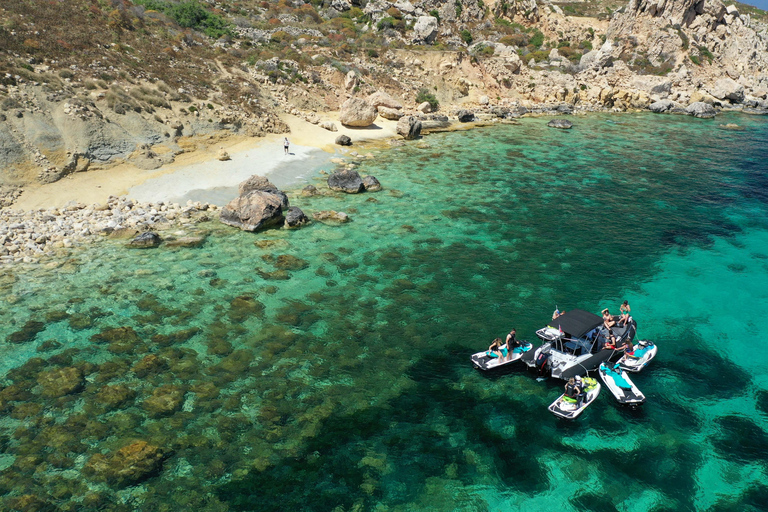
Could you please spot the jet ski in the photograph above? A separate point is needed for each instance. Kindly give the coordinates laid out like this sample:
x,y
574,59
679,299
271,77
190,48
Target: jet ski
x,y
617,381
488,360
644,351
565,406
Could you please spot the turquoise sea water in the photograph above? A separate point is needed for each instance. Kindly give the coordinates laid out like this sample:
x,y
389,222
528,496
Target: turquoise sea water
x,y
328,368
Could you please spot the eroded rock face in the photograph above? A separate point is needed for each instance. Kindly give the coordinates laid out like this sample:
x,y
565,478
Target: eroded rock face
x,y
61,381
728,89
661,106
262,184
253,211
701,110
127,466
357,112
346,181
465,116
425,29
409,127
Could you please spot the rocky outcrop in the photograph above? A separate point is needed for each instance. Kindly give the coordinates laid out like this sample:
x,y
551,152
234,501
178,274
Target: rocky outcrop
x,y
295,218
392,114
701,110
465,116
409,127
346,181
728,89
425,30
253,211
383,99
60,382
661,106
357,112
562,124
146,240
127,466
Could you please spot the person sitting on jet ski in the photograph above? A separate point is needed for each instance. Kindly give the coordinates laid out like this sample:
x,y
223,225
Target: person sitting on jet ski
x,y
512,343
497,349
580,387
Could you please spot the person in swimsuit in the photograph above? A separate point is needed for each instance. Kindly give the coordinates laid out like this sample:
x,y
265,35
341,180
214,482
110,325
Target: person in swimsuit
x,y
608,320
497,349
512,343
285,145
573,390
580,390
610,340
624,313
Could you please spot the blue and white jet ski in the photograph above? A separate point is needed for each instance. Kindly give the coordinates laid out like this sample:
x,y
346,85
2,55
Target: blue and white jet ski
x,y
617,381
565,406
488,360
644,351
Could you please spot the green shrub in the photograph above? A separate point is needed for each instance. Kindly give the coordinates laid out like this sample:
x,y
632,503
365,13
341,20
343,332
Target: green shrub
x,y
519,40
435,14
65,73
190,14
704,52
424,95
537,39
466,36
695,59
586,45
385,23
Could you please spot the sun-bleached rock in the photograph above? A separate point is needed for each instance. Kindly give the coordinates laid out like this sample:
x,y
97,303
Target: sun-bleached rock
x,y
357,112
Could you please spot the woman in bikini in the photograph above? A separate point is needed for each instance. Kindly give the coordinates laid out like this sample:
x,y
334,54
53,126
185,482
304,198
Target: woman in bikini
x,y
624,320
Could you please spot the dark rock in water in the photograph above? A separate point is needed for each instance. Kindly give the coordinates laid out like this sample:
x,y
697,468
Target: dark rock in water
x,y
701,110
409,127
128,465
277,275
343,140
564,108
519,111
371,184
253,211
562,124
61,381
295,218
48,345
27,333
310,190
113,397
346,181
501,112
28,502
465,116
164,401
244,307
262,184
146,240
126,334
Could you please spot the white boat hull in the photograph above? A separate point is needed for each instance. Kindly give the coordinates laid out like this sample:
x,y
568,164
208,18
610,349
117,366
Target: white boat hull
x,y
566,408
485,362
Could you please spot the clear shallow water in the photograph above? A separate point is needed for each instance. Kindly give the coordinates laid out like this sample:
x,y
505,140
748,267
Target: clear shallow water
x,y
338,375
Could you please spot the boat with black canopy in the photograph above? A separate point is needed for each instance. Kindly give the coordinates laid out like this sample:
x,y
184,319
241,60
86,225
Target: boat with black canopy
x,y
574,343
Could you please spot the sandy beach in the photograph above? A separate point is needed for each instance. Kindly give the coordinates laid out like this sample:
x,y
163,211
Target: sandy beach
x,y
199,175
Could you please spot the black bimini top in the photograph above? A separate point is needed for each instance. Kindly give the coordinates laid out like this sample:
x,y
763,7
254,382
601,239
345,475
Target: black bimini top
x,y
576,322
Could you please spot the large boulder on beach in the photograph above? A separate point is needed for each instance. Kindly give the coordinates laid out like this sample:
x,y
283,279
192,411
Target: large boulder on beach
x,y
255,210
701,110
382,99
409,127
346,181
357,112
295,217
562,124
262,184
343,140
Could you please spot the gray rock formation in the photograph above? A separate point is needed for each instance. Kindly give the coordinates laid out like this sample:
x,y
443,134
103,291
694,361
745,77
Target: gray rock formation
x,y
661,106
465,116
329,125
371,184
425,29
701,110
409,127
343,140
728,89
262,184
295,218
146,240
562,124
392,114
346,181
357,112
382,99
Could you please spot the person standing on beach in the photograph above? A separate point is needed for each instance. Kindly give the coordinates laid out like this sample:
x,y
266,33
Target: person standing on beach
x,y
285,145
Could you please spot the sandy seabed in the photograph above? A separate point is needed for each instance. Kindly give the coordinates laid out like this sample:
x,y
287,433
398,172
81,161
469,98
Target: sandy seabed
x,y
199,175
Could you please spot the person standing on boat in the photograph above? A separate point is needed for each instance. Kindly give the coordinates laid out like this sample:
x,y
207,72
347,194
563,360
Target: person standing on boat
x,y
624,320
512,343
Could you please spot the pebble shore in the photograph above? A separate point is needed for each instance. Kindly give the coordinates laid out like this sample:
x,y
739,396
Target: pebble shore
x,y
29,236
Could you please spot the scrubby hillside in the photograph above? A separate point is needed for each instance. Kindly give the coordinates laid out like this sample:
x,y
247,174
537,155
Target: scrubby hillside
x,y
85,82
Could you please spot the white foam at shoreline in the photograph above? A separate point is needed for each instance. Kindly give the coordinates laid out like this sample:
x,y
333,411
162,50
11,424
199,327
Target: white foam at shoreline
x,y
216,181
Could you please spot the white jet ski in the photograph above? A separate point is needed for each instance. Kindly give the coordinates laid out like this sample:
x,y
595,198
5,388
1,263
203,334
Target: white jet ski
x,y
488,360
644,351
617,381
565,407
